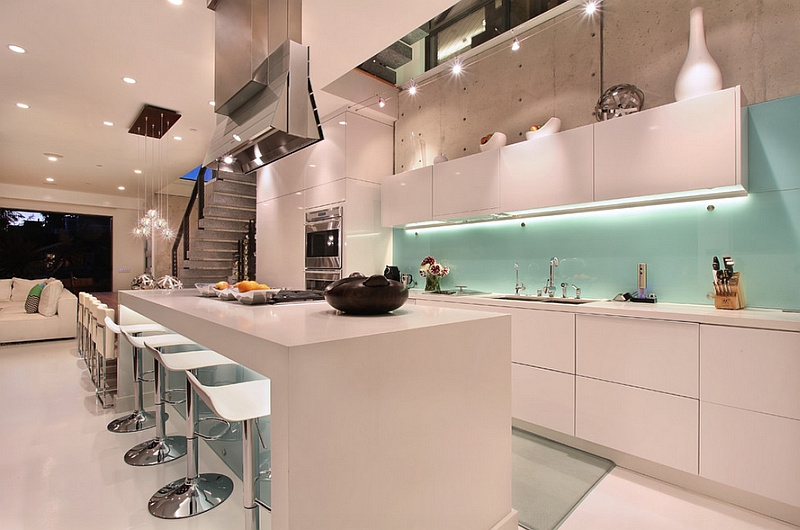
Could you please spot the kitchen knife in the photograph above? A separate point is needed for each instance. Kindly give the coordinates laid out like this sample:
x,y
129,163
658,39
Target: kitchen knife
x,y
715,266
727,261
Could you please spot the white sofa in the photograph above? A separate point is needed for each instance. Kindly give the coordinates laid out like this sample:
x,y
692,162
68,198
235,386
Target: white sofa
x,y
18,326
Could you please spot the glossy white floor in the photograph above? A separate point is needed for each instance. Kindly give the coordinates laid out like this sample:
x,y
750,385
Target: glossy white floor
x,y
61,469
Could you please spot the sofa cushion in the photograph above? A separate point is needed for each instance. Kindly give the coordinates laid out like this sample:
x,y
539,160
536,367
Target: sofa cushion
x,y
5,290
32,302
48,300
21,288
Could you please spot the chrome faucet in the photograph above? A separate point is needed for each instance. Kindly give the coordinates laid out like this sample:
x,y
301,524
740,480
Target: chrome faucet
x,y
550,286
518,286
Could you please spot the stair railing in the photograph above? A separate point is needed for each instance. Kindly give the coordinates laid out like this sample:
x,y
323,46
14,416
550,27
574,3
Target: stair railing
x,y
198,194
246,254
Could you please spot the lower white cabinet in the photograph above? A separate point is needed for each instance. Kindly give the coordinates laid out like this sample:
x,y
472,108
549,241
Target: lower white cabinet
x,y
752,369
543,397
759,453
656,426
655,354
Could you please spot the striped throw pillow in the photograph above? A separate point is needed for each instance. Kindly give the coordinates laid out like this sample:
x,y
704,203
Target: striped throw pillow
x,y
32,302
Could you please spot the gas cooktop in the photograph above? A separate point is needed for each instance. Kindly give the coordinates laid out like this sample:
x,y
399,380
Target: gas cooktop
x,y
288,295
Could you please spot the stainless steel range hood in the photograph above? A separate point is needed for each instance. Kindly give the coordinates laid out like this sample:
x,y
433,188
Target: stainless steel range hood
x,y
265,104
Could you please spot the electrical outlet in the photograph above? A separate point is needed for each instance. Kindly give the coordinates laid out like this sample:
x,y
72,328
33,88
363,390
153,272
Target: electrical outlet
x,y
124,270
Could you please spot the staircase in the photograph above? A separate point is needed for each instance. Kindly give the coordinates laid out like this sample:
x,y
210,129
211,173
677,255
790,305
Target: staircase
x,y
216,241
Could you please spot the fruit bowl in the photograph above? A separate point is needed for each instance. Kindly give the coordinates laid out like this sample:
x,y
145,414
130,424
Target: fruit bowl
x,y
552,126
205,289
226,294
496,140
256,296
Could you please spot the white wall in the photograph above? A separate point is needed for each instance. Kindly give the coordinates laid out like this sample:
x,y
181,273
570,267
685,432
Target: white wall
x,y
127,252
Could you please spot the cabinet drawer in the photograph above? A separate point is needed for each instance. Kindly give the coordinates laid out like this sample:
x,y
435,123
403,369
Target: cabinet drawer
x,y
751,451
543,397
542,338
652,354
652,425
752,369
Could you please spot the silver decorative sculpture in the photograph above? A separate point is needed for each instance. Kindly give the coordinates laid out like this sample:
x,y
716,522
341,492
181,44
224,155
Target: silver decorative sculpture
x,y
169,282
619,100
143,281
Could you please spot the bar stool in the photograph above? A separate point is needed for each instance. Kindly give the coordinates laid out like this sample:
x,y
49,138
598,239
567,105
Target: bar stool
x,y
244,402
79,322
195,493
104,349
86,313
93,309
162,448
139,419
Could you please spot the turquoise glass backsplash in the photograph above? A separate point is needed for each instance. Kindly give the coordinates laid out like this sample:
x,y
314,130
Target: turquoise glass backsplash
x,y
599,251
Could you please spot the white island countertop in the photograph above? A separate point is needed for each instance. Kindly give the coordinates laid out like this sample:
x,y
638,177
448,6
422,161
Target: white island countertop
x,y
392,421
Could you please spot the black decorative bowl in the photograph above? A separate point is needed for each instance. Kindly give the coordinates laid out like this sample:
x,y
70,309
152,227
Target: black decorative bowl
x,y
359,295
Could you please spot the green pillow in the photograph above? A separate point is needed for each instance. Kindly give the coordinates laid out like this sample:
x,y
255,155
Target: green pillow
x,y
32,302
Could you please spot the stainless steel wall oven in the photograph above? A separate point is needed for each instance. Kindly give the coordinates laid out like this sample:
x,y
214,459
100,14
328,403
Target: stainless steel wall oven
x,y
323,247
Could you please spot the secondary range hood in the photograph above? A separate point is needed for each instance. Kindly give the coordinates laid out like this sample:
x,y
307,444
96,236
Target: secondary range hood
x,y
264,101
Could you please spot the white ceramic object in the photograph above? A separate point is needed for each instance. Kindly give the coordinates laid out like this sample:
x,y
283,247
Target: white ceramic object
x,y
497,141
228,294
552,126
440,158
700,73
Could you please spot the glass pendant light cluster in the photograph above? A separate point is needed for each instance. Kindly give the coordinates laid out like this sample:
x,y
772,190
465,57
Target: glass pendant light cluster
x,y
152,222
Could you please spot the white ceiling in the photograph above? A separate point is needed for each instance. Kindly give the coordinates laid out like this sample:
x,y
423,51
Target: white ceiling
x,y
79,50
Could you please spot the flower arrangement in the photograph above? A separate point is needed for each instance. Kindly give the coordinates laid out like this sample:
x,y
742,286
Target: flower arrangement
x,y
432,272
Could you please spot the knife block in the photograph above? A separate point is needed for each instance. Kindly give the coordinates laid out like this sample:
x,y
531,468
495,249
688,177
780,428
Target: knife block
x,y
729,295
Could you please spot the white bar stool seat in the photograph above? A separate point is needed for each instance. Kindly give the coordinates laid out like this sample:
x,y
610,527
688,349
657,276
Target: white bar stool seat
x,y
195,493
162,448
139,419
245,402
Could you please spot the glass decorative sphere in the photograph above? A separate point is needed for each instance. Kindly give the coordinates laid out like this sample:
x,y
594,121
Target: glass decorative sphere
x,y
161,223
619,100
169,282
143,281
168,233
145,222
138,232
152,213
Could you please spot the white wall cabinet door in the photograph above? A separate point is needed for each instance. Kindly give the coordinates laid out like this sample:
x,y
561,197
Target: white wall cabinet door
x,y
653,354
553,170
407,197
652,425
688,145
755,452
752,369
280,239
326,194
467,186
543,397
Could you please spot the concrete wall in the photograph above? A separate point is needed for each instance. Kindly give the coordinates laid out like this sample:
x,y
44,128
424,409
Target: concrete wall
x,y
564,65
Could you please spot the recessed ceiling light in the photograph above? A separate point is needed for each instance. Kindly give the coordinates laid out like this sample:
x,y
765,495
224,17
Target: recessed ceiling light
x,y
50,179
176,2
121,188
23,105
237,137
342,123
53,156
108,124
212,103
179,138
228,159
129,80
137,171
15,48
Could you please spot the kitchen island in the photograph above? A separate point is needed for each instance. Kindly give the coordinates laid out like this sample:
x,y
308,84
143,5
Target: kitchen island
x,y
392,421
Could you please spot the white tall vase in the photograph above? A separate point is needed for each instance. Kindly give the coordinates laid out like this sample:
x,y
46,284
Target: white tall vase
x,y
700,74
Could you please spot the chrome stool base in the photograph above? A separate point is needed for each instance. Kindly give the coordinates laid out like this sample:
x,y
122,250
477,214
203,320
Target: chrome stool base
x,y
156,451
138,420
187,497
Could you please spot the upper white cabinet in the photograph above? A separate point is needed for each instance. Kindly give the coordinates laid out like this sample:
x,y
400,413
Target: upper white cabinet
x,y
549,171
689,145
407,197
467,186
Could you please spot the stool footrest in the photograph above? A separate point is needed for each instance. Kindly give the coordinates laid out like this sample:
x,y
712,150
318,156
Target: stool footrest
x,y
209,437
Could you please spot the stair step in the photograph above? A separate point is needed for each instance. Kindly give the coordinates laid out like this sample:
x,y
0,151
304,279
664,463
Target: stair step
x,y
206,264
229,255
203,244
217,235
229,187
227,225
221,212
195,274
249,178
219,199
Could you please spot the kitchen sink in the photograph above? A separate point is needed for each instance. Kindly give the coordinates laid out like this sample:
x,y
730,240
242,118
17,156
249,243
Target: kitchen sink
x,y
528,298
